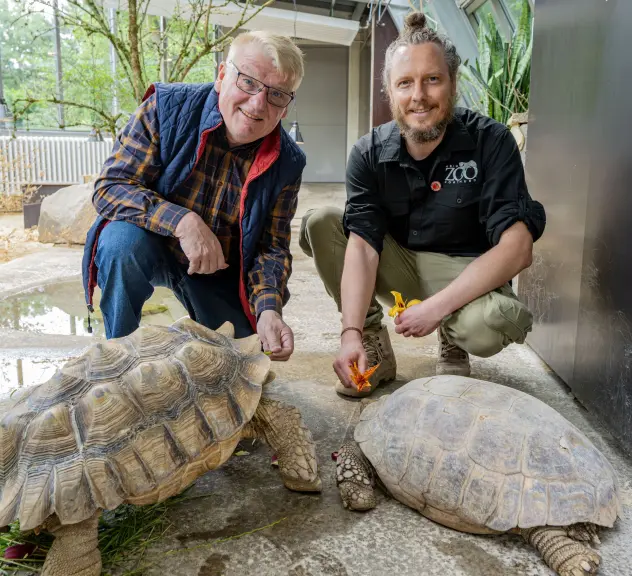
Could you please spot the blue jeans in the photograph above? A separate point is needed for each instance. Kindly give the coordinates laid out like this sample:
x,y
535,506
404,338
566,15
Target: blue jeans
x,y
132,261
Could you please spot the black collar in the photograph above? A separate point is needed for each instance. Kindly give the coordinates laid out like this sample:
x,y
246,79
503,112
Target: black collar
x,y
456,138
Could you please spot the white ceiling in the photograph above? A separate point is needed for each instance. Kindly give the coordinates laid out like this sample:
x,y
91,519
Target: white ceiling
x,y
307,26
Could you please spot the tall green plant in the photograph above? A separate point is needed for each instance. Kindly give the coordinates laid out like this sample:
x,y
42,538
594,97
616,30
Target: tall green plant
x,y
503,69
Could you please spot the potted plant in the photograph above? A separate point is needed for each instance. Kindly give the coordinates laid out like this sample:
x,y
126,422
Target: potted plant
x,y
502,73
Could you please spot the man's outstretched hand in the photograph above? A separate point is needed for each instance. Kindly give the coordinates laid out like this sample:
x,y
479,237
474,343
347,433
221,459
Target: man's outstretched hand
x,y
351,351
275,335
200,245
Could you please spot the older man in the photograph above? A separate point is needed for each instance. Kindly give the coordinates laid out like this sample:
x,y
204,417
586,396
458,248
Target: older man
x,y
198,196
438,210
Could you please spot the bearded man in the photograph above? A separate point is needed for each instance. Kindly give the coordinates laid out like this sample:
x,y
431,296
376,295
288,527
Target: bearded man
x,y
438,210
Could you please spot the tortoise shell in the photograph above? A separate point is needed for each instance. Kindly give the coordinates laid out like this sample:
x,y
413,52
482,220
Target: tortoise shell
x,y
483,457
134,419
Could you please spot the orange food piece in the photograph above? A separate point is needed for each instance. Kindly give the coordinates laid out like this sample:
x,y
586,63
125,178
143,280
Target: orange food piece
x,y
360,380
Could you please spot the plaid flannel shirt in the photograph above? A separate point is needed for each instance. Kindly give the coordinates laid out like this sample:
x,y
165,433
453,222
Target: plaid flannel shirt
x,y
123,192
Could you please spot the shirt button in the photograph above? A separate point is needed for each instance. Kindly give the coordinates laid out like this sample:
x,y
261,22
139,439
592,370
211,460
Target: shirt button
x,y
414,232
458,200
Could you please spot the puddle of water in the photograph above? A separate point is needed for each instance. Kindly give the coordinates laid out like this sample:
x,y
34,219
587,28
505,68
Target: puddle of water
x,y
19,372
59,309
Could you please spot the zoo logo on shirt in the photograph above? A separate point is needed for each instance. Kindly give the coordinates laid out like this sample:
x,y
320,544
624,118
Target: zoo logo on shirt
x,y
463,172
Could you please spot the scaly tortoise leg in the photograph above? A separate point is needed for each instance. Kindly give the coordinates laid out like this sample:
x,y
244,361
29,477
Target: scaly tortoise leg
x,y
282,428
75,550
584,532
566,556
355,478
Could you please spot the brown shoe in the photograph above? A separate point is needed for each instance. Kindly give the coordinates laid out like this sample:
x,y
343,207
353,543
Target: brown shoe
x,y
452,360
377,345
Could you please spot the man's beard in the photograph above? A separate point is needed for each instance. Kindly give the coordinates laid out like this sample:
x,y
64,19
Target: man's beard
x,y
430,134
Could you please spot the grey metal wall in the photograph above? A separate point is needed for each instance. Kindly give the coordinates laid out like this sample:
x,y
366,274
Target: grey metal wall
x,y
322,112
579,165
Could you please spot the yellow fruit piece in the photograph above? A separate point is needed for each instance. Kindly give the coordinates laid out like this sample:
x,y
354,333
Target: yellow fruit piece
x,y
400,304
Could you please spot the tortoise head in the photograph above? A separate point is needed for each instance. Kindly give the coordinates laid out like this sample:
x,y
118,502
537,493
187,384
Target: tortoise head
x,y
270,378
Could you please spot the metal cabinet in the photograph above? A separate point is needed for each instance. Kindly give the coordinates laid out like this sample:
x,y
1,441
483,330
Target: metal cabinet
x,y
579,165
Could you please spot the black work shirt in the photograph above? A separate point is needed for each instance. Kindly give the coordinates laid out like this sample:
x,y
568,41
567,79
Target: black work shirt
x,y
458,201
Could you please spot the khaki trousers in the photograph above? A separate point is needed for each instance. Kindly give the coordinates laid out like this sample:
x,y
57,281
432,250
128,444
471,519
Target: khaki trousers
x,y
483,327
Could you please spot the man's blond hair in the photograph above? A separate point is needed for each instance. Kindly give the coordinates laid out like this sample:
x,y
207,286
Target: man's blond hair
x,y
286,56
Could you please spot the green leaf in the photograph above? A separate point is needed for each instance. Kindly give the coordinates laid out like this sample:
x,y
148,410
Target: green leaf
x,y
498,56
477,76
472,85
522,37
524,68
474,78
484,49
526,20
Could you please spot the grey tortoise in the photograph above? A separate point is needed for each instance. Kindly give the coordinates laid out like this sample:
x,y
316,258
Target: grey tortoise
x,y
485,459
136,420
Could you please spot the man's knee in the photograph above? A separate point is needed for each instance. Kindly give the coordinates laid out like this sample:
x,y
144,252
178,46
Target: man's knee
x,y
125,245
489,324
318,225
478,339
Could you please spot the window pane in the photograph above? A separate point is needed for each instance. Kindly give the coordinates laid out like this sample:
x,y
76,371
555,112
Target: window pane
x,y
481,14
514,8
429,11
427,6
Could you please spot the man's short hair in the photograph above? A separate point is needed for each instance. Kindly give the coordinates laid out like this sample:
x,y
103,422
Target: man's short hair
x,y
287,57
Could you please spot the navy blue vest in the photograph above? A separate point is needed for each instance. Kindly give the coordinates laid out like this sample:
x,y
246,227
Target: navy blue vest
x,y
187,113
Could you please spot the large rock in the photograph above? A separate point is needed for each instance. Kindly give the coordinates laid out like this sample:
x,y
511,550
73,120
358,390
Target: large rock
x,y
66,215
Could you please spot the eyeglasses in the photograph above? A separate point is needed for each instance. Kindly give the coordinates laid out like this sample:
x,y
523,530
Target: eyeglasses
x,y
251,85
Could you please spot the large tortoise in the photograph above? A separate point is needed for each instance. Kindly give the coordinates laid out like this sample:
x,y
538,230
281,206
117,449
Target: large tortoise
x,y
137,420
484,458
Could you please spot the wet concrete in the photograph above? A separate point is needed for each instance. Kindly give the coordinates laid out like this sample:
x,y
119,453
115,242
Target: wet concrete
x,y
46,266
247,523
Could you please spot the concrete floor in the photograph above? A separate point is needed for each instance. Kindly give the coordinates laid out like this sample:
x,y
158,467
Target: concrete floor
x,y
249,524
